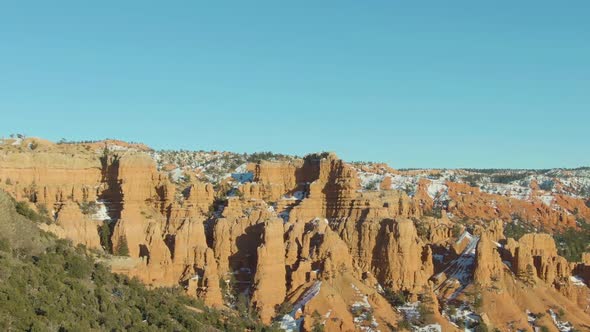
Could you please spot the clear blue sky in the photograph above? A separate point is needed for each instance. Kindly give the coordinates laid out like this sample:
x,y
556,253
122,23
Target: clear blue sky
x,y
415,84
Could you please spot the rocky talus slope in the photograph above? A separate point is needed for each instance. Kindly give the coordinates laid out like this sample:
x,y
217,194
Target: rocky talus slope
x,y
316,241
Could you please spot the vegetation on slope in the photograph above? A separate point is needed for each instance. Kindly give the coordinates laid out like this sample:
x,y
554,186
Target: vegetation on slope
x,y
48,285
573,242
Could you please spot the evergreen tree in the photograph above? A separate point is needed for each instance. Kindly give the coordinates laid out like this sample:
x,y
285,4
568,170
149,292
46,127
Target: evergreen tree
x,y
105,237
122,248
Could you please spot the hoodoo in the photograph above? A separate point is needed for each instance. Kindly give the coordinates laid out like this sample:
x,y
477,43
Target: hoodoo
x,y
317,241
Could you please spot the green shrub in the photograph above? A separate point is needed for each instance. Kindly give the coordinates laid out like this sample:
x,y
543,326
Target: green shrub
x,y
316,156
508,178
481,327
88,207
23,209
104,231
4,244
517,230
122,247
78,267
373,185
52,292
284,308
472,180
42,208
572,242
317,322
395,299
265,156
404,324
478,302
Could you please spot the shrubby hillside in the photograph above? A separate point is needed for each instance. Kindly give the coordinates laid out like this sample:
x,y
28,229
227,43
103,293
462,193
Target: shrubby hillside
x,y
48,285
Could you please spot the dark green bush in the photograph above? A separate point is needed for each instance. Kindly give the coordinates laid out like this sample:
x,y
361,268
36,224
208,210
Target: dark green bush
x,y
572,242
64,290
122,247
104,231
517,230
4,245
23,209
88,207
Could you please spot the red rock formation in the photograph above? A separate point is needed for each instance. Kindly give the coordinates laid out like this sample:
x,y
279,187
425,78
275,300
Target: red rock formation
x,y
50,177
140,185
236,235
385,183
472,203
73,225
406,261
205,284
333,190
536,254
272,180
334,232
488,265
201,196
269,280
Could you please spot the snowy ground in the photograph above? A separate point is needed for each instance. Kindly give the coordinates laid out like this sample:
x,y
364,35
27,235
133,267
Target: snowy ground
x,y
461,269
363,312
288,322
574,182
463,316
411,312
562,326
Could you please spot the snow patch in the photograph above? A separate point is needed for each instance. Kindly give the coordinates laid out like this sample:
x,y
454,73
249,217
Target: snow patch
x,y
243,177
101,212
176,174
428,328
562,326
297,196
370,181
578,281
438,190
288,323
547,199
363,312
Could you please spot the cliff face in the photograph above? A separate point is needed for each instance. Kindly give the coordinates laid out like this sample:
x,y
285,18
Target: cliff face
x,y
145,196
307,231
50,177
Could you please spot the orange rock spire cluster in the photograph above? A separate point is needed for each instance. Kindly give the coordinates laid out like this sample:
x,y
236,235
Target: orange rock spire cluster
x,y
303,231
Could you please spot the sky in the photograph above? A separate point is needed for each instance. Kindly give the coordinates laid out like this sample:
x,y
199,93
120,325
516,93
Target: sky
x,y
428,84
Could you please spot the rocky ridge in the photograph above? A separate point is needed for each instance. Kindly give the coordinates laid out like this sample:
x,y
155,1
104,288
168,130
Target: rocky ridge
x,y
333,239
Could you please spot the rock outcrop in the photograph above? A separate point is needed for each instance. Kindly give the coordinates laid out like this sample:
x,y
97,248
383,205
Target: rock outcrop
x,y
72,224
269,280
407,261
535,256
307,230
470,202
488,264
